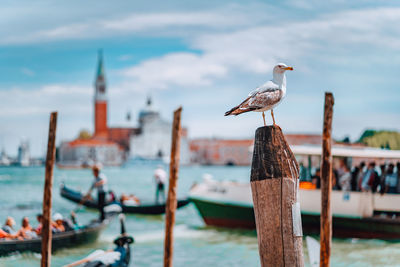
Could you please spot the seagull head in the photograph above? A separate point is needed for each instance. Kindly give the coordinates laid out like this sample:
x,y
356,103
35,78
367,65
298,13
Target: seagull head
x,y
281,68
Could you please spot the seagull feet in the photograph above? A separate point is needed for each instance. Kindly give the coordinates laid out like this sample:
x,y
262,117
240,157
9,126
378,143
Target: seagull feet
x,y
264,118
273,118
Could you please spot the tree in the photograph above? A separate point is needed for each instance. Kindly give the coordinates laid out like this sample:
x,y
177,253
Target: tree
x,y
84,134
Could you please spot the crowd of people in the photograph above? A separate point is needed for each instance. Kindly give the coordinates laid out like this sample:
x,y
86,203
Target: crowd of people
x,y
58,224
363,178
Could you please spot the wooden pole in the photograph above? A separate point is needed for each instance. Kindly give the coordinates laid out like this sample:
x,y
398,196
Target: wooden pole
x,y
326,184
171,199
274,185
48,184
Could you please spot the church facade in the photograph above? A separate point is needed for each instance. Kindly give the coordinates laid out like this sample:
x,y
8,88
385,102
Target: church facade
x,y
153,138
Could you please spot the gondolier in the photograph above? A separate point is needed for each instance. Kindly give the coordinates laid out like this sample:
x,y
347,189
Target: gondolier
x,y
160,177
99,183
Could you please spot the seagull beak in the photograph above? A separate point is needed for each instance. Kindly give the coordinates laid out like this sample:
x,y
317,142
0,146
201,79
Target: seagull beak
x,y
289,68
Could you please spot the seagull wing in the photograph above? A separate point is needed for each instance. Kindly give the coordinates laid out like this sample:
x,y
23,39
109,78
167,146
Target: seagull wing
x,y
264,96
270,85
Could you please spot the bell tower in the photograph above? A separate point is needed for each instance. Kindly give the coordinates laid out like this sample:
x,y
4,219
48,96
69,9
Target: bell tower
x,y
100,101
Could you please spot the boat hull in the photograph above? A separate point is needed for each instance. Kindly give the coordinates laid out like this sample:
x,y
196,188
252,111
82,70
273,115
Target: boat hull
x,y
68,239
241,216
145,209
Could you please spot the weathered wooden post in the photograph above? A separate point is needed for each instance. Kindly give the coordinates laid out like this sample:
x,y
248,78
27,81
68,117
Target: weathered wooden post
x,y
171,199
274,185
326,183
48,184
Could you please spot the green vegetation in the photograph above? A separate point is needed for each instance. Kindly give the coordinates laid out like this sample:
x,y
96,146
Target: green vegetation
x,y
84,134
382,139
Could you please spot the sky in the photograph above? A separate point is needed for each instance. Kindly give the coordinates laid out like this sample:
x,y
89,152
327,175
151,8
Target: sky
x,y
204,55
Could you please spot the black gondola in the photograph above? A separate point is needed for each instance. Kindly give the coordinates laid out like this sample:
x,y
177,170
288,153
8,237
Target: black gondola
x,y
73,238
153,209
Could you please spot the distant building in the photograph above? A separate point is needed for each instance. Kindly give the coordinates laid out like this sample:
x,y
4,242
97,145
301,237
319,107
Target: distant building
x,y
152,139
24,157
4,159
221,152
212,151
100,148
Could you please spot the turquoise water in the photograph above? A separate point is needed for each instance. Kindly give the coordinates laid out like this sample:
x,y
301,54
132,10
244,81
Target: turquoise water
x,y
195,244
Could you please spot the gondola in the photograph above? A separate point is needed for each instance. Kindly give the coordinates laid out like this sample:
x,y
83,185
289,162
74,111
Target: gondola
x,y
73,238
153,209
119,257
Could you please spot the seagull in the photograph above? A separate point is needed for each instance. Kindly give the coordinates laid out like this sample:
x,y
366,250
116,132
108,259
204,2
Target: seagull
x,y
265,97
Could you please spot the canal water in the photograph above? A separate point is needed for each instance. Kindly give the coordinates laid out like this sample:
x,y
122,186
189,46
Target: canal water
x,y
195,244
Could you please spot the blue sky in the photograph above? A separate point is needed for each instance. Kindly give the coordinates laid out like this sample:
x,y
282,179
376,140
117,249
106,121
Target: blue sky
x,y
205,55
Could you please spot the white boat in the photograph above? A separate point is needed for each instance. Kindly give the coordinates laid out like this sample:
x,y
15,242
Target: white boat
x,y
355,214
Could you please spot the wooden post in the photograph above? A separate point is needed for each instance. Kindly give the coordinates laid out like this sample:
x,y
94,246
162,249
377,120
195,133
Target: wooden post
x,y
274,185
48,184
171,199
326,184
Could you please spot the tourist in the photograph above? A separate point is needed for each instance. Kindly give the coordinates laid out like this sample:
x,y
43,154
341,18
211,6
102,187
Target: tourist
x,y
360,175
5,235
398,176
58,223
391,180
99,183
9,226
39,218
316,178
130,200
369,177
111,196
382,177
26,230
345,178
160,177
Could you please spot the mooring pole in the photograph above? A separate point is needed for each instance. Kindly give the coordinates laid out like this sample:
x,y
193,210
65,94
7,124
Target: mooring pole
x,y
48,184
326,183
171,199
274,185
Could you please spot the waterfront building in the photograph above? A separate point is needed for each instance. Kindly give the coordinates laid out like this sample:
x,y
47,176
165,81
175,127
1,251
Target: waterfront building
x,y
23,158
214,151
152,139
4,159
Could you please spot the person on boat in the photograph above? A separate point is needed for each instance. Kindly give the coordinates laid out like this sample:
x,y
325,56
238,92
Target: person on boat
x,y
160,177
360,175
345,178
5,235
99,183
316,178
9,226
58,223
391,180
111,196
370,176
39,218
130,200
26,231
398,176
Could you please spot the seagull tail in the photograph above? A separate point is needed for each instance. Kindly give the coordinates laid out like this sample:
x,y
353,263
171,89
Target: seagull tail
x,y
237,110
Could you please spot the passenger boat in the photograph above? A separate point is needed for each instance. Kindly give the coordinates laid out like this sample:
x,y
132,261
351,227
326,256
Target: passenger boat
x,y
84,235
355,214
150,209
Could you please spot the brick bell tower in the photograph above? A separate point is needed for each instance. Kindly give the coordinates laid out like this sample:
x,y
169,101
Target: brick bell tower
x,y
100,101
